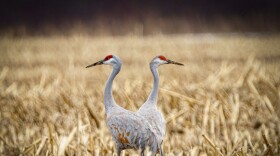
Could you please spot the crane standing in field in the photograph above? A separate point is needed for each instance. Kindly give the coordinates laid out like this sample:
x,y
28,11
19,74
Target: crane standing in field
x,y
149,109
128,129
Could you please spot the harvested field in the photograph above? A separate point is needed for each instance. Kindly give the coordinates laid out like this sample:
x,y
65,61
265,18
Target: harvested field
x,y
224,101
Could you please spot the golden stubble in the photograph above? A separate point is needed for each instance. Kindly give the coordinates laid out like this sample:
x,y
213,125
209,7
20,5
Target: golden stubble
x,y
224,101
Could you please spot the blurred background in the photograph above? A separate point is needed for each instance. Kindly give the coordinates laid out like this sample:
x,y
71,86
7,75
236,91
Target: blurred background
x,y
146,17
224,101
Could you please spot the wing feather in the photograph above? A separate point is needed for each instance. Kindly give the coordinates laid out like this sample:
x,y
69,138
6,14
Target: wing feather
x,y
130,130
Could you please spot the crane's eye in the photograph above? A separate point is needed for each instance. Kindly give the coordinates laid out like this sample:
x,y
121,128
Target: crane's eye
x,y
162,58
108,57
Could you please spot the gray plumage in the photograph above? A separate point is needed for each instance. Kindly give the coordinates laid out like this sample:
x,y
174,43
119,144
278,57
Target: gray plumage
x,y
149,109
129,129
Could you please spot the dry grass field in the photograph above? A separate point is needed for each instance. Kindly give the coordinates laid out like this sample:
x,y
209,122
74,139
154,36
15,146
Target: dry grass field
x,y
224,101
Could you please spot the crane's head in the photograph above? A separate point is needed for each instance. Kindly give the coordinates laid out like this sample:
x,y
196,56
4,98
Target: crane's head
x,y
159,60
109,60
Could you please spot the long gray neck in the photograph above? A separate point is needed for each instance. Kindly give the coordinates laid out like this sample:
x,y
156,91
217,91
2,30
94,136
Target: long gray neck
x,y
109,100
152,99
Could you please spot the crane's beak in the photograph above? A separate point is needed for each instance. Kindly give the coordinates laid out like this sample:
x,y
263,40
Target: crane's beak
x,y
96,63
173,62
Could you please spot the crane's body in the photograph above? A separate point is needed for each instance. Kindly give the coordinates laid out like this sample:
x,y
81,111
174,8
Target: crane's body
x,y
157,122
149,109
129,129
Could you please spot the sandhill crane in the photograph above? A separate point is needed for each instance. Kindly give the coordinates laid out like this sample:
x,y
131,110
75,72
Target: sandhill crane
x,y
149,109
129,130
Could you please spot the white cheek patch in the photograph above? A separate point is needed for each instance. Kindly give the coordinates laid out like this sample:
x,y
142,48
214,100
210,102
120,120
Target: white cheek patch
x,y
158,60
109,62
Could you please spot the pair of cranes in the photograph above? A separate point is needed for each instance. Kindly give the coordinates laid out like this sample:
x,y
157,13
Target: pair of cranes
x,y
141,129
